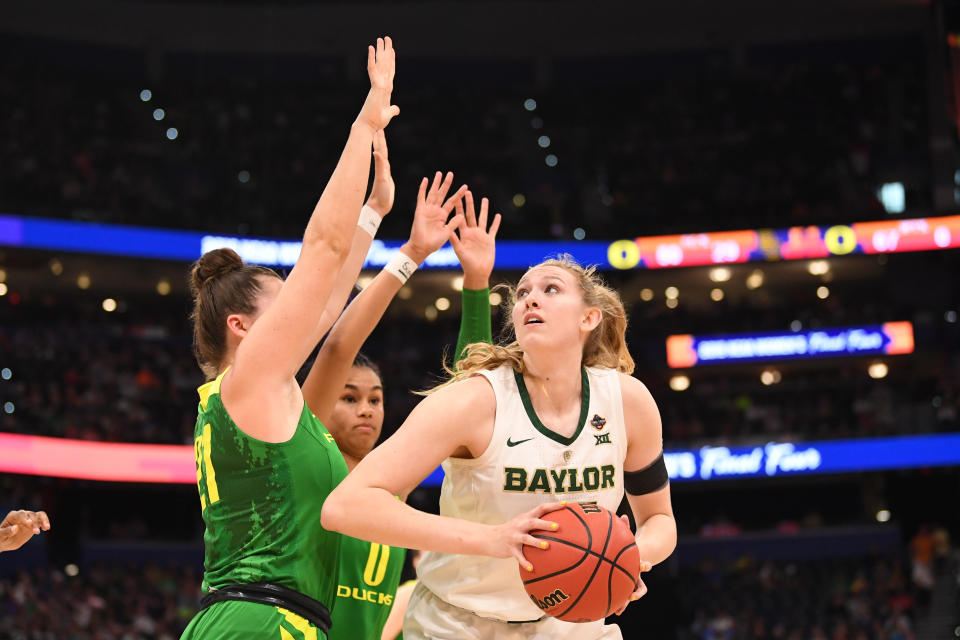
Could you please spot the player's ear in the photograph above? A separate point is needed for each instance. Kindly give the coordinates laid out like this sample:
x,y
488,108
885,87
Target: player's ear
x,y
238,324
590,319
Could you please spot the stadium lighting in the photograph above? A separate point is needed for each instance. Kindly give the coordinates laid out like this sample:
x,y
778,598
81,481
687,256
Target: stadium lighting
x,y
755,279
56,267
519,200
3,288
530,104
679,383
672,293
823,292
457,283
430,313
83,281
145,95
551,160
672,303
163,287
109,305
883,515
159,114
172,133
543,141
720,274
405,293
442,304
495,299
6,373
646,294
579,233
878,370
716,294
893,197
770,377
818,267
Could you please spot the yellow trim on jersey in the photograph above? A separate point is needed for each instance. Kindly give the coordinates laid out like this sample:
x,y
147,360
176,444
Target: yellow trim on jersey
x,y
299,623
211,476
210,388
284,634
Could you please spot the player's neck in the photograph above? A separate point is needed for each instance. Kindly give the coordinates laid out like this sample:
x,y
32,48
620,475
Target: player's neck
x,y
351,461
557,379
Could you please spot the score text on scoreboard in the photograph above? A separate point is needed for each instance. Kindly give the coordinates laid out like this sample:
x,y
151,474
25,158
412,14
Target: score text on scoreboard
x,y
794,243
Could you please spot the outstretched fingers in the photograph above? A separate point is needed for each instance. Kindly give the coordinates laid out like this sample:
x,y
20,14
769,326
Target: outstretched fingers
x,y
495,226
471,215
457,197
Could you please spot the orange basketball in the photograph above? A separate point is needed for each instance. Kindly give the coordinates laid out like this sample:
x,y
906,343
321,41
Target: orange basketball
x,y
590,568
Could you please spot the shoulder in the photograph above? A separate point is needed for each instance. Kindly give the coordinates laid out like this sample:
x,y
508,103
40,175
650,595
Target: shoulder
x,y
635,394
641,417
474,393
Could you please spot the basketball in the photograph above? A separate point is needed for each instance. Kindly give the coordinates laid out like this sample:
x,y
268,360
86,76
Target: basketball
x,y
590,568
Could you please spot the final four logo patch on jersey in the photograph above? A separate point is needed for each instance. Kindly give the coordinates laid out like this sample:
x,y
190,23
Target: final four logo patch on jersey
x,y
598,422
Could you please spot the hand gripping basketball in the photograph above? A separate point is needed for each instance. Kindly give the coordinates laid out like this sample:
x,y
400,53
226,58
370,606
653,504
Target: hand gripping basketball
x,y
510,537
591,568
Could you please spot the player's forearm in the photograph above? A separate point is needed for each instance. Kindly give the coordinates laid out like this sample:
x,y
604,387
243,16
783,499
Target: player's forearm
x,y
331,368
474,319
338,209
374,514
657,538
346,279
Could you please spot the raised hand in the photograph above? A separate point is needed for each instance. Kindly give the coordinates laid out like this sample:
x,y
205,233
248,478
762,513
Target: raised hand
x,y
430,228
377,111
20,526
475,245
381,194
510,537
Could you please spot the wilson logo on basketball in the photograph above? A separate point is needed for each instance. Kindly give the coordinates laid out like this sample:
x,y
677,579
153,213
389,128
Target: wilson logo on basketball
x,y
549,600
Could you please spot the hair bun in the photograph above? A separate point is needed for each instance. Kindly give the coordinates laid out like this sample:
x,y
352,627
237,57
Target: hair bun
x,y
212,265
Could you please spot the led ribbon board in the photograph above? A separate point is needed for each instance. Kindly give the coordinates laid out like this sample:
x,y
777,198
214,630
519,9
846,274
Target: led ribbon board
x,y
653,252
805,458
890,338
794,243
63,458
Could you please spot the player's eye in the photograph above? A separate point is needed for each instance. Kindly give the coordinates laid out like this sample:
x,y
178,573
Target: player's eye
x,y
521,293
552,287
375,401
348,399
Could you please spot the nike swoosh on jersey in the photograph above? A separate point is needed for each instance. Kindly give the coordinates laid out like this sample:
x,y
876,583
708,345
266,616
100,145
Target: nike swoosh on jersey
x,y
511,443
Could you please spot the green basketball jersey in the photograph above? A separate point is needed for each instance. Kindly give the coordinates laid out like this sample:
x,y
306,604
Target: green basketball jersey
x,y
369,576
261,502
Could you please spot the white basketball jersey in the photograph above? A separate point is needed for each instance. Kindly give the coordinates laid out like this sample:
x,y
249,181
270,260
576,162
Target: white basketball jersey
x,y
526,464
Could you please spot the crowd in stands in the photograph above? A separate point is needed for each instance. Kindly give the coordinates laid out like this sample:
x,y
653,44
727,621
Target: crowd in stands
x,y
870,596
864,598
102,602
762,137
132,377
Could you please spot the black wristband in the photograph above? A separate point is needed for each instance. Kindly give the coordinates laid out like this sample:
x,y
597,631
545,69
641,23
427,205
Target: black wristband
x,y
653,478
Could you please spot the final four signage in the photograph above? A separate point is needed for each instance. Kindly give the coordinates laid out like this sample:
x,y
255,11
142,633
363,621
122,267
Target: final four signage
x,y
787,458
890,338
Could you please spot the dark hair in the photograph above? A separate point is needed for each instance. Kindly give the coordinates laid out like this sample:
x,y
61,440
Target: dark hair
x,y
363,361
221,284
